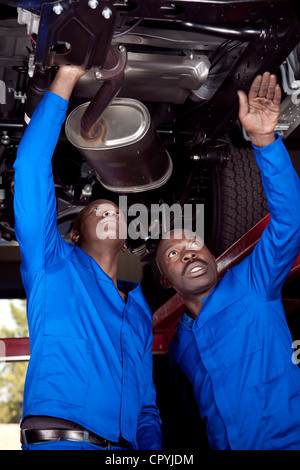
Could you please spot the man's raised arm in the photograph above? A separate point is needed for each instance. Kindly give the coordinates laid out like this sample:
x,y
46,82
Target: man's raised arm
x,y
275,254
34,199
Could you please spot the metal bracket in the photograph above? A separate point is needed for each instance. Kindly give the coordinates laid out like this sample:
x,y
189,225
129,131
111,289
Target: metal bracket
x,y
77,33
290,107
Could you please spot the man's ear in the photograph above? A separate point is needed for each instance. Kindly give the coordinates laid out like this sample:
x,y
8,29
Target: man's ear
x,y
124,247
74,236
165,282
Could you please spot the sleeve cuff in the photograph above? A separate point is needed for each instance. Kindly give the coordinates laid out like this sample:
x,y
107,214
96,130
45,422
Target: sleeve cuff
x,y
273,158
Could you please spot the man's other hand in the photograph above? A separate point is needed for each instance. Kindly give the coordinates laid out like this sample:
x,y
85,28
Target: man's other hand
x,y
259,112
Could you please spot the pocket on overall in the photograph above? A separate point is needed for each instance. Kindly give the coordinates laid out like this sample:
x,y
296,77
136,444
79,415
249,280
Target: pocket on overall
x,y
64,370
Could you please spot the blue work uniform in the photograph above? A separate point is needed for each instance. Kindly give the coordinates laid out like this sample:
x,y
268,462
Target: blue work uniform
x,y
91,353
238,352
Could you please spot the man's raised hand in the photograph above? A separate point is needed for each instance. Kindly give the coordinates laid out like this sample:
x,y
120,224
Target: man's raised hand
x,y
259,111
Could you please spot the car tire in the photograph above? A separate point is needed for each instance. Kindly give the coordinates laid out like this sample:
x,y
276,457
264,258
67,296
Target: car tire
x,y
239,201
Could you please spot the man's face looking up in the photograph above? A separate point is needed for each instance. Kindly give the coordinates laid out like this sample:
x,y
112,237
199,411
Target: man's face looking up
x,y
186,264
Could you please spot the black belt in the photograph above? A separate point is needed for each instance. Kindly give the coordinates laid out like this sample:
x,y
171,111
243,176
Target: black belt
x,y
34,436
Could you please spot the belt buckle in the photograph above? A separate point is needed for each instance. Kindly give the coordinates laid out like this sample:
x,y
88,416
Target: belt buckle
x,y
23,437
108,444
86,436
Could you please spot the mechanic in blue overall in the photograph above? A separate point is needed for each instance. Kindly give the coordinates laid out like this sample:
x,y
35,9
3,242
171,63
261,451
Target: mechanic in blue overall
x,y
89,381
233,343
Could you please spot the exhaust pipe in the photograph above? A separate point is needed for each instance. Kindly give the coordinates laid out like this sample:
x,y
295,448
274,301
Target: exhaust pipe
x,y
113,76
117,137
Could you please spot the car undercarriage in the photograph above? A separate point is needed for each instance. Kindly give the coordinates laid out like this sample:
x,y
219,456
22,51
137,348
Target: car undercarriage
x,y
181,63
155,120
